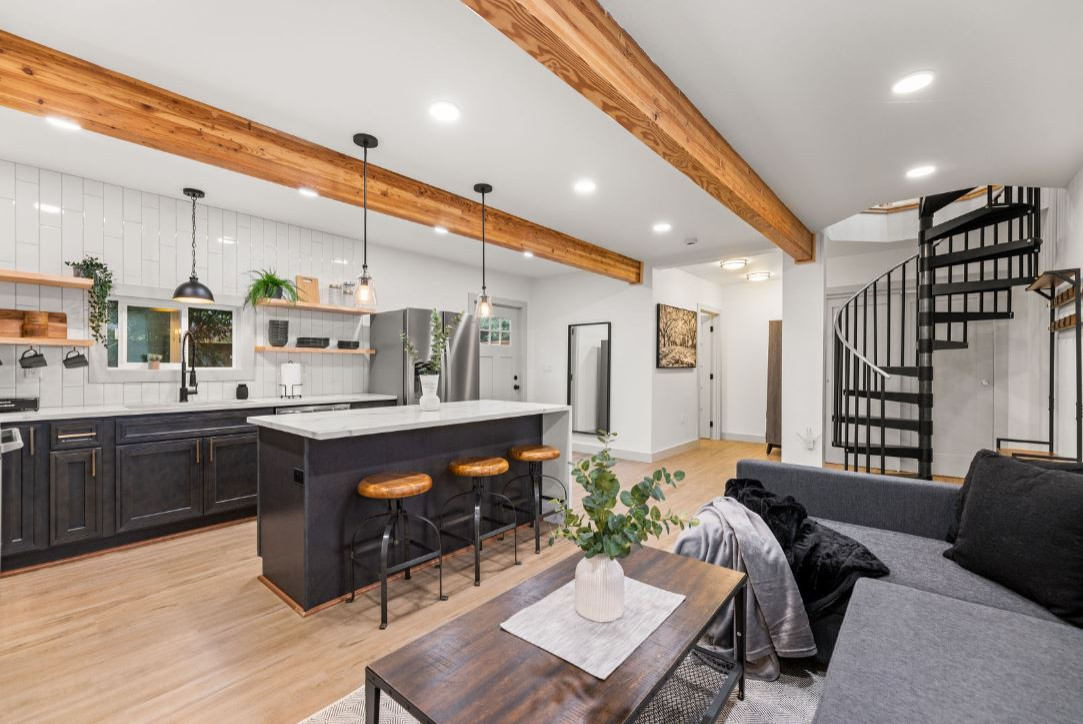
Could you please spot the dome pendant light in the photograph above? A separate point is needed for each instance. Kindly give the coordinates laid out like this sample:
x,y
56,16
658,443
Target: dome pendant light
x,y
484,306
365,291
193,291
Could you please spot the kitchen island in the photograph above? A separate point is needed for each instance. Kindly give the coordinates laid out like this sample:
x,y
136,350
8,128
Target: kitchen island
x,y
310,465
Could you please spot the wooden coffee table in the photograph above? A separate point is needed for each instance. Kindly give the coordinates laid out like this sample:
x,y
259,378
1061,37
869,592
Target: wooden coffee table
x,y
470,670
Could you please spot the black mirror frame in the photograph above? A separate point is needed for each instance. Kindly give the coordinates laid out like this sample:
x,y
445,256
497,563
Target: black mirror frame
x,y
608,375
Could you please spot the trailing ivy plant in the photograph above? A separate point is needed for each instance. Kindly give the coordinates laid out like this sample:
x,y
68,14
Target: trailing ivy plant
x,y
98,297
439,334
602,531
266,284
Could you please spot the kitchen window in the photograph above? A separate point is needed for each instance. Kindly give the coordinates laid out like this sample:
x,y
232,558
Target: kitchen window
x,y
141,331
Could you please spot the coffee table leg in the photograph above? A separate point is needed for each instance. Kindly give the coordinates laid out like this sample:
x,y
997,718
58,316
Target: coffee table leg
x,y
739,603
372,700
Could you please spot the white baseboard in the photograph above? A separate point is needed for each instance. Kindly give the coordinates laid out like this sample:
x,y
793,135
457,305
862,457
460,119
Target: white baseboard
x,y
674,450
639,456
741,437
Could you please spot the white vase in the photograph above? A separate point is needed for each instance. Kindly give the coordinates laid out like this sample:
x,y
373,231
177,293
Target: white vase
x,y
429,400
599,589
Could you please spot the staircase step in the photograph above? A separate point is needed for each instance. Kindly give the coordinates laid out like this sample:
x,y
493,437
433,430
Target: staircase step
x,y
978,218
984,253
891,451
949,344
952,317
911,398
981,285
903,371
931,204
891,423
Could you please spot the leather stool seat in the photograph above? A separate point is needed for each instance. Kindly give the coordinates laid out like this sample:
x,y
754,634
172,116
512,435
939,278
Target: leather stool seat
x,y
534,453
393,486
477,467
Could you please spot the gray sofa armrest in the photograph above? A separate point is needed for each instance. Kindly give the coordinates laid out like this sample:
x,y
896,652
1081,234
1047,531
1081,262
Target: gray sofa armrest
x,y
904,505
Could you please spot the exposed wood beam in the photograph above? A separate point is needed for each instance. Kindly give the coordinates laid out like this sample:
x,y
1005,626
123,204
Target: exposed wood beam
x,y
579,42
43,81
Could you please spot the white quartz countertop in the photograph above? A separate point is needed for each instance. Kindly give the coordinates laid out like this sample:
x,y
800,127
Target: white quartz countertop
x,y
155,408
373,421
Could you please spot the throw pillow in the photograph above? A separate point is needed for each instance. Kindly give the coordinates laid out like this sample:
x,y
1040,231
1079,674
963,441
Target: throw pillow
x,y
1022,527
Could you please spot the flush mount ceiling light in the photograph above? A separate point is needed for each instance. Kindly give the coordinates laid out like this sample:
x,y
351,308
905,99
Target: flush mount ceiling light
x,y
484,306
444,112
733,264
921,171
308,193
585,186
759,276
193,291
63,124
365,292
528,254
440,229
913,82
661,227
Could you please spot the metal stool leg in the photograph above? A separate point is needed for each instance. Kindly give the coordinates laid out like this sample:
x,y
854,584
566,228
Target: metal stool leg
x,y
439,554
477,532
384,545
514,527
350,560
536,479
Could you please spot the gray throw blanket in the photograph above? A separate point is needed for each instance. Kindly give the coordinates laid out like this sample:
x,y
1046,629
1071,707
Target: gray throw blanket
x,y
732,536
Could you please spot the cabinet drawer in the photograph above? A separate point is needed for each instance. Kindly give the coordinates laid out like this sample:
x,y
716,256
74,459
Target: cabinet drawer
x,y
171,426
76,434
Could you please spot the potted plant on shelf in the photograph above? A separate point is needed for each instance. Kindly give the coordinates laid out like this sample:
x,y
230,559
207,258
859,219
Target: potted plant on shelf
x,y
266,284
428,370
98,297
605,535
154,361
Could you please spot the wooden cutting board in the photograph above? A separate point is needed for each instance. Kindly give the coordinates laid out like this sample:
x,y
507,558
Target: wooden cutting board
x,y
308,289
11,323
58,325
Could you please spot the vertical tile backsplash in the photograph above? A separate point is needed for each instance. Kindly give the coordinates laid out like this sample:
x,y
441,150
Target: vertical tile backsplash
x,y
48,218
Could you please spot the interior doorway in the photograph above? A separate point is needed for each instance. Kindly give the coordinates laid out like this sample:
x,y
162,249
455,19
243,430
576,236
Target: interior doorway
x,y
708,362
503,347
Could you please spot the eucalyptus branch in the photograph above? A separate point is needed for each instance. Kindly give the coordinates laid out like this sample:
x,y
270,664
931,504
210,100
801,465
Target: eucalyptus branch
x,y
439,334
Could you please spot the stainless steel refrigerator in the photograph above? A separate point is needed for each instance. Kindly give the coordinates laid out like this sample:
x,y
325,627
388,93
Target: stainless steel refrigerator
x,y
392,373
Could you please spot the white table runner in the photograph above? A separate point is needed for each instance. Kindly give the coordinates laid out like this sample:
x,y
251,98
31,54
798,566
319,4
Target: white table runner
x,y
597,648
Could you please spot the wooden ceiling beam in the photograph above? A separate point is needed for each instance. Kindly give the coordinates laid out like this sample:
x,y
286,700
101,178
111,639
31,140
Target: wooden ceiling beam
x,y
583,45
43,81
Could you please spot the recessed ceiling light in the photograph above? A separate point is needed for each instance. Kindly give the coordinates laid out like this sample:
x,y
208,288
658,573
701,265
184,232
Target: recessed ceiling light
x,y
47,208
585,186
308,193
528,254
226,240
661,227
62,123
733,264
913,82
444,111
440,229
759,276
921,171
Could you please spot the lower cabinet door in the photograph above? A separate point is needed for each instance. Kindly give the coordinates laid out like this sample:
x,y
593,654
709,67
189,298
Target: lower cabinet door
x,y
230,479
24,495
75,495
158,483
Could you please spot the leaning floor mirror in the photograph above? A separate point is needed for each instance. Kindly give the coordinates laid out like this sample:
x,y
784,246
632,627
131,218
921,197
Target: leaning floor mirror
x,y
588,376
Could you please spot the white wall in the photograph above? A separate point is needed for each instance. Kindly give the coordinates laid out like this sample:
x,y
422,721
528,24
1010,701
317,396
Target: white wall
x,y
1067,228
145,239
746,310
803,300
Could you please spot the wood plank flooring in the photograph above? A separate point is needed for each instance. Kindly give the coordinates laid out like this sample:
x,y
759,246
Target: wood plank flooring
x,y
182,631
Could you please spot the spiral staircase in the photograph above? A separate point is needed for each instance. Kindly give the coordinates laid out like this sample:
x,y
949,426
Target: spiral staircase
x,y
885,343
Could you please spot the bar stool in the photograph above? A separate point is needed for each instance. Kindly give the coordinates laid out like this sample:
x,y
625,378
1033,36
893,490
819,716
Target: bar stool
x,y
534,456
394,488
478,469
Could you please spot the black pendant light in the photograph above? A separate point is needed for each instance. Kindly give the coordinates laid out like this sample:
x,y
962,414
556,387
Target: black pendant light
x,y
484,306
365,291
193,291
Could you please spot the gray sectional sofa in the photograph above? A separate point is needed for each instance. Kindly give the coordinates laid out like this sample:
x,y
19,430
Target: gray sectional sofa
x,y
932,641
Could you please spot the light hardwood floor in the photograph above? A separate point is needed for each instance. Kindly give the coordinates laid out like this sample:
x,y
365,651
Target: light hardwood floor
x,y
182,631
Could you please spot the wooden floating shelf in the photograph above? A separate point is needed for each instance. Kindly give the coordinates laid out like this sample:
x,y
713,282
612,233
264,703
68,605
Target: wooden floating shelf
x,y
45,342
1063,323
44,280
1065,297
315,307
314,350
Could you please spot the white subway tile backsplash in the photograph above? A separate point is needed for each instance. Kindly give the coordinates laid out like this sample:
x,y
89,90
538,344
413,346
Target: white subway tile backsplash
x,y
26,173
49,198
72,192
132,258
7,231
72,234
26,213
7,180
93,224
50,257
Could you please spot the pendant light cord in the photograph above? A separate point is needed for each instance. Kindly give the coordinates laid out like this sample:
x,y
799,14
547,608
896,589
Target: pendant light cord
x,y
193,237
483,242
365,223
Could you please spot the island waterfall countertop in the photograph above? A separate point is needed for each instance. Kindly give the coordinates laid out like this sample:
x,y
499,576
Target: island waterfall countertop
x,y
354,423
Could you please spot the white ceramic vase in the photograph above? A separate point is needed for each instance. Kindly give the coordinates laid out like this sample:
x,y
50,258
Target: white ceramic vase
x,y
599,589
429,401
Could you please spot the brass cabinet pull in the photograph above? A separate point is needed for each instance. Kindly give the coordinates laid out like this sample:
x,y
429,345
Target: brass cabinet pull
x,y
199,444
210,447
94,463
33,440
77,436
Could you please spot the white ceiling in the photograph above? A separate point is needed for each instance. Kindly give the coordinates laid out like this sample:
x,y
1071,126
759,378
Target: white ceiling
x,y
712,271
803,91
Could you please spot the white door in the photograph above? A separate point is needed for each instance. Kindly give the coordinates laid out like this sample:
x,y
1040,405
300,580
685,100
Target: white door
x,y
503,341
708,378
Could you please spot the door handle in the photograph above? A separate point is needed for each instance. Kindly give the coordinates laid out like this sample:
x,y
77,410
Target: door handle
x,y
210,448
76,436
94,463
199,446
33,440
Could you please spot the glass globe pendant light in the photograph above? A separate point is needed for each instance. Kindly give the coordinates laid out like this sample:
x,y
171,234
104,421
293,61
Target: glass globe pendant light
x,y
193,291
484,306
365,291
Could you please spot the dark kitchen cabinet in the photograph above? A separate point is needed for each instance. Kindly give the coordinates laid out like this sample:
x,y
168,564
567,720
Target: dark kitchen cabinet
x,y
75,495
24,516
158,483
229,476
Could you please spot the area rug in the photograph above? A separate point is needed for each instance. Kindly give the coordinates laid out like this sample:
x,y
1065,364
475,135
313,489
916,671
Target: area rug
x,y
792,699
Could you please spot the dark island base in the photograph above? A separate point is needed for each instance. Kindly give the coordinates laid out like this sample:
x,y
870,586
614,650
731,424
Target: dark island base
x,y
309,506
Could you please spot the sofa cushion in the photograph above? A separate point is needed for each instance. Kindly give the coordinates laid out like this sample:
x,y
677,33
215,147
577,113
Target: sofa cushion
x,y
919,563
905,655
1022,527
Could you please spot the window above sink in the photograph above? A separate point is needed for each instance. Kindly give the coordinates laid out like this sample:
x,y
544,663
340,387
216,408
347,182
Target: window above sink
x,y
140,332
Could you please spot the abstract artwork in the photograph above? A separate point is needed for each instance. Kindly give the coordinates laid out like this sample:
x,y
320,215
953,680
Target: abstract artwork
x,y
676,337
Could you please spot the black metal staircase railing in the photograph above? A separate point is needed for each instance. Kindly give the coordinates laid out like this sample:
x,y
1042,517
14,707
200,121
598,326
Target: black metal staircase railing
x,y
888,331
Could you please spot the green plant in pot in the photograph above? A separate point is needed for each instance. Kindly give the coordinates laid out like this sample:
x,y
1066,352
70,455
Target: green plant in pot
x,y
98,297
266,284
605,534
428,370
154,361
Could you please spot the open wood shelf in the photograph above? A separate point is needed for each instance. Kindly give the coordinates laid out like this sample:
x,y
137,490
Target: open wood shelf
x,y
314,350
45,280
315,307
45,342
